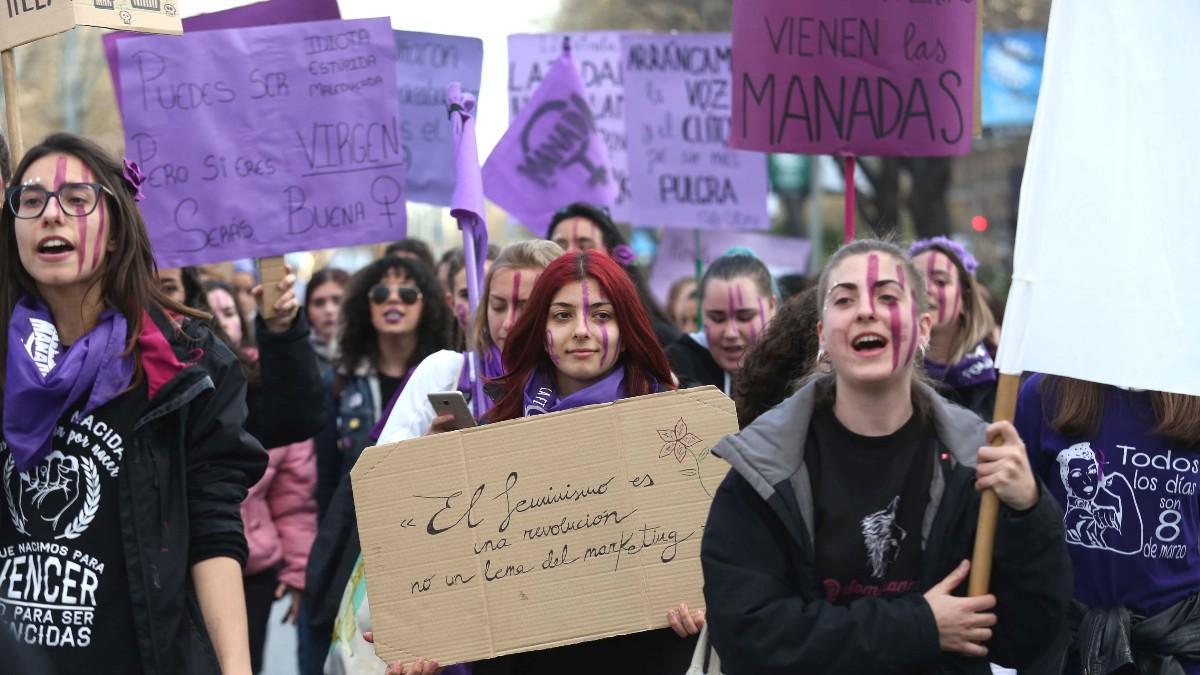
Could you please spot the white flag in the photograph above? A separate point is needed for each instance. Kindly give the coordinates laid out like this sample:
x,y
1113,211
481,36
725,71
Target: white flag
x,y
1106,272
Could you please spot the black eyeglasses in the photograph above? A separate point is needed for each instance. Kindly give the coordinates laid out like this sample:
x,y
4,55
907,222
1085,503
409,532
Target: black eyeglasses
x,y
381,293
74,199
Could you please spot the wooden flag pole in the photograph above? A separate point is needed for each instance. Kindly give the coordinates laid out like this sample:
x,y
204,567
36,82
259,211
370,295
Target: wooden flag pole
x,y
989,503
16,141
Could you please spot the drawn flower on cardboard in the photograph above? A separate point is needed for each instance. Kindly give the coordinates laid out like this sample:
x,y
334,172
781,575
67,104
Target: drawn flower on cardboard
x,y
677,441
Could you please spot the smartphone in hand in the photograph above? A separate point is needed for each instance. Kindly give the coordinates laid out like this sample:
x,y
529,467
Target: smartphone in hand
x,y
452,403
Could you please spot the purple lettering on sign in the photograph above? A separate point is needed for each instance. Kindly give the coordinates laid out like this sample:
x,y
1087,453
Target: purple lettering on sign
x,y
857,77
262,141
677,109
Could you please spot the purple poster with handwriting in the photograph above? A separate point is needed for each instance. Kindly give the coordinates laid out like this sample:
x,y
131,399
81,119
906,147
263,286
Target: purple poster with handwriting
x,y
262,141
677,112
598,56
860,77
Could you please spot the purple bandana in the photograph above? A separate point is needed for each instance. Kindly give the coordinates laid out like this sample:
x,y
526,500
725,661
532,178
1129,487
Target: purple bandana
x,y
541,398
44,382
974,369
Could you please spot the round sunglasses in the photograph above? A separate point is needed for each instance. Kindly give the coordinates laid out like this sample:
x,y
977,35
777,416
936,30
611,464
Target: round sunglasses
x,y
381,293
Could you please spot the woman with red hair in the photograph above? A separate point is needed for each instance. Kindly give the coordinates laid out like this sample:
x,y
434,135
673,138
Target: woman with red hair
x,y
584,338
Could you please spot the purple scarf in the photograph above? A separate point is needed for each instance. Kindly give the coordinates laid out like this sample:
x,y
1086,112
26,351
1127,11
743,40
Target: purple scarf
x,y
43,382
974,369
541,398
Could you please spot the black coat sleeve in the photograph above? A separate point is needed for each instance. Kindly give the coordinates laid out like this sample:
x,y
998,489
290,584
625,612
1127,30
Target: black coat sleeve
x,y
1032,581
288,406
223,461
761,620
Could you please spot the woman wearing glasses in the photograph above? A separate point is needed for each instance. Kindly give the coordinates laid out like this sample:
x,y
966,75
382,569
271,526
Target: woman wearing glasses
x,y
393,316
124,458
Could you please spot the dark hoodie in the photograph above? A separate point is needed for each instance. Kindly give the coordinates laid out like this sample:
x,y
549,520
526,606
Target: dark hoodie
x,y
766,608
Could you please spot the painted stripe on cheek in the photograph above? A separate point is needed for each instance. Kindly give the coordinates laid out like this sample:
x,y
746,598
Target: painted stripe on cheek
x,y
894,315
762,315
550,347
912,343
872,278
99,234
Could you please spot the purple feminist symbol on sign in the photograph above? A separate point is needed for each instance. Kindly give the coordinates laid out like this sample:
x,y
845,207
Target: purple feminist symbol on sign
x,y
557,136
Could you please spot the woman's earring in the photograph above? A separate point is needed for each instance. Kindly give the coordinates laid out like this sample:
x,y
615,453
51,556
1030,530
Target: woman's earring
x,y
824,363
921,349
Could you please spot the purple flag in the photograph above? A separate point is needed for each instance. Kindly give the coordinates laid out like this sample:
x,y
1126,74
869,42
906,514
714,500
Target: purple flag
x,y
269,13
551,154
466,205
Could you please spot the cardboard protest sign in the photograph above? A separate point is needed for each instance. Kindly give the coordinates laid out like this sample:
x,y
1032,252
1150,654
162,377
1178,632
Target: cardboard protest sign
x,y
1105,257
552,153
676,256
261,141
859,77
598,57
425,64
28,20
268,13
489,541
677,109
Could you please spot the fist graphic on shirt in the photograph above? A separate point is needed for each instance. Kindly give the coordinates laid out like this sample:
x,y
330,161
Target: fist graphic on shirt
x,y
52,487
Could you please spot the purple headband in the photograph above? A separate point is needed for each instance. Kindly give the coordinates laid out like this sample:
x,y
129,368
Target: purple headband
x,y
964,256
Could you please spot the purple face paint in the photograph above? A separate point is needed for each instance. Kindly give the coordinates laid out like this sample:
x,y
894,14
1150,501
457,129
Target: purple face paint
x,y
82,221
60,172
894,316
912,343
872,278
516,296
931,267
762,315
99,233
587,306
550,347
603,344
957,292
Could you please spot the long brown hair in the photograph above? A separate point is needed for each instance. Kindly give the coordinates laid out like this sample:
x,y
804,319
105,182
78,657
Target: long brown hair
x,y
128,277
1078,406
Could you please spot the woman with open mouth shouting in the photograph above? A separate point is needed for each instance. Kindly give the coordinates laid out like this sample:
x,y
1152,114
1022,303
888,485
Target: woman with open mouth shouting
x,y
124,458
838,542
737,302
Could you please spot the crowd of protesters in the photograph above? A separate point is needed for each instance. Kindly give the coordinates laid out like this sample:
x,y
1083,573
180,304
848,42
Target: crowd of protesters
x,y
176,456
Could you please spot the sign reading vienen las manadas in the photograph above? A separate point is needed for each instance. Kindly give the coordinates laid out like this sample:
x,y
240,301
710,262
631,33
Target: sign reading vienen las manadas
x,y
861,77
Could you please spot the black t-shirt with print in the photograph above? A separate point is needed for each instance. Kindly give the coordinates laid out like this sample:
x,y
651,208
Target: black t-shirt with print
x,y
870,495
64,587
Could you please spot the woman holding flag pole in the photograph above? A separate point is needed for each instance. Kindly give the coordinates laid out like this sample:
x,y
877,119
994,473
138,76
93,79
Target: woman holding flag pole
x,y
838,543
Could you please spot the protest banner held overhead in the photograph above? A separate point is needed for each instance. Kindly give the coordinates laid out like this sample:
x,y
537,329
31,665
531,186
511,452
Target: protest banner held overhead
x,y
552,154
677,107
601,507
260,141
597,55
268,13
854,77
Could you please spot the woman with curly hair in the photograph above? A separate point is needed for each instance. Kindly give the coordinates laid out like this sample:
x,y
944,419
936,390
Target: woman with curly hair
x,y
394,315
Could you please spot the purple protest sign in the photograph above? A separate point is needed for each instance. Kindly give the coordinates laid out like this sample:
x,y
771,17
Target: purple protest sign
x,y
552,153
269,13
853,77
676,257
598,57
425,64
261,141
677,108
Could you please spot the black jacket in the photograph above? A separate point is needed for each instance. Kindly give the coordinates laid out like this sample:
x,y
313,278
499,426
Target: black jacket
x,y
766,608
186,470
694,365
288,404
